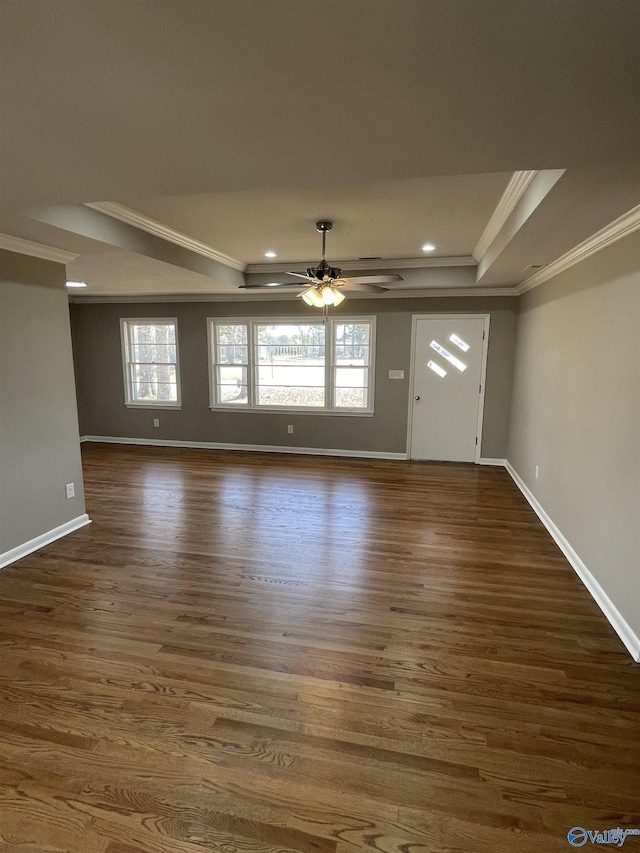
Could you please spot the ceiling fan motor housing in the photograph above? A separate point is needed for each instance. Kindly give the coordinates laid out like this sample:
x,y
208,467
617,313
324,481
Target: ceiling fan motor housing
x,y
323,272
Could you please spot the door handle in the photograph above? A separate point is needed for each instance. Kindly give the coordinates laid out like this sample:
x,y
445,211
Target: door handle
x,y
418,397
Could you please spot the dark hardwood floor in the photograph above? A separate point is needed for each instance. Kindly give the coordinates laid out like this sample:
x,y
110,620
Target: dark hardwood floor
x,y
262,654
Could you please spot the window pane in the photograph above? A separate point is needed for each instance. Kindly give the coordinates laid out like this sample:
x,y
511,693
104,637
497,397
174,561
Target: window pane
x,y
232,395
290,353
356,356
163,333
154,392
154,373
352,377
284,334
290,396
235,334
232,376
351,398
291,375
232,354
154,353
290,365
232,385
352,343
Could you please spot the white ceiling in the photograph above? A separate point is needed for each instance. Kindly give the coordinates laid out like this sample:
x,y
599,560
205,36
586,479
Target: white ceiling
x,y
111,98
391,219
241,123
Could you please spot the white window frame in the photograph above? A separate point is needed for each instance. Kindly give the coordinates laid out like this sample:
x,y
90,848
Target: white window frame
x,y
251,323
125,323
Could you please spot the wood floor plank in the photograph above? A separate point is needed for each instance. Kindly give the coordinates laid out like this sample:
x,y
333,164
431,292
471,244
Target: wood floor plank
x,y
264,654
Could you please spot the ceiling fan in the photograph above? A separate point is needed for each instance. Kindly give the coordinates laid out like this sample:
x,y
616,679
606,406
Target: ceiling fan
x,y
324,284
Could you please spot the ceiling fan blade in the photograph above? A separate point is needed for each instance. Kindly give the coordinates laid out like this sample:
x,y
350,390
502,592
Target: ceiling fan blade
x,y
372,279
268,286
299,275
354,286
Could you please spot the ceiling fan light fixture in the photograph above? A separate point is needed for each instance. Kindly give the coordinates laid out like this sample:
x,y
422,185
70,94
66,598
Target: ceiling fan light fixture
x,y
327,295
312,298
338,297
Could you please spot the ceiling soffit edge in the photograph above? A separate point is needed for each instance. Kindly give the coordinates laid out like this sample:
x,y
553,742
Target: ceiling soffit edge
x,y
621,227
36,250
514,191
377,264
151,226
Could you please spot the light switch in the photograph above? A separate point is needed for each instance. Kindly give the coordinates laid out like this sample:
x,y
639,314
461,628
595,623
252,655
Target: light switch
x,y
396,374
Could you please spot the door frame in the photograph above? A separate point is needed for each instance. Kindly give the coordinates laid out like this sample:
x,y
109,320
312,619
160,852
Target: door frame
x,y
483,372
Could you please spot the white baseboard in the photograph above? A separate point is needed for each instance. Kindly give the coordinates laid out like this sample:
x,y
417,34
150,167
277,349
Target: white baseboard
x,y
259,448
44,539
487,460
617,621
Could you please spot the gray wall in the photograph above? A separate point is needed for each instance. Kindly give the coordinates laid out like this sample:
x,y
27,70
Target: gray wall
x,y
39,442
96,336
576,413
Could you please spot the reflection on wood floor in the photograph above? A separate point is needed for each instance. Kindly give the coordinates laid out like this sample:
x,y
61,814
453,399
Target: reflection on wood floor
x,y
248,652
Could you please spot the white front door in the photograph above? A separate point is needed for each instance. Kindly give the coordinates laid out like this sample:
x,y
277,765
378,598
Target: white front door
x,y
448,358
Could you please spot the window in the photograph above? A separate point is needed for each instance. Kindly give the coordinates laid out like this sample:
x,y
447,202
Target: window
x,y
288,364
150,361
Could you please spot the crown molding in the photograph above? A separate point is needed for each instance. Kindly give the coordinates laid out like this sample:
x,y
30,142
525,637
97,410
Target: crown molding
x,y
380,264
151,226
616,230
36,250
439,292
514,191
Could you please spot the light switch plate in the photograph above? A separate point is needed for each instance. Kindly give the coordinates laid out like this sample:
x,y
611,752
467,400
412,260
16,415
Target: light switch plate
x,y
396,374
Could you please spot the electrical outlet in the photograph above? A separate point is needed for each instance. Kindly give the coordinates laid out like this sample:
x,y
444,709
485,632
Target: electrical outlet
x,y
537,471
396,374
290,429
70,490
156,422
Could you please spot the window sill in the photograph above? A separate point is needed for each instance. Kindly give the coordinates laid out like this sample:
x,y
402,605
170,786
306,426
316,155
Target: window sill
x,y
283,411
169,406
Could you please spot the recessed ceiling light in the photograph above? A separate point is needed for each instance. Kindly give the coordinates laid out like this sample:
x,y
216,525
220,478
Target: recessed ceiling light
x,y
270,254
272,284
428,247
76,284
